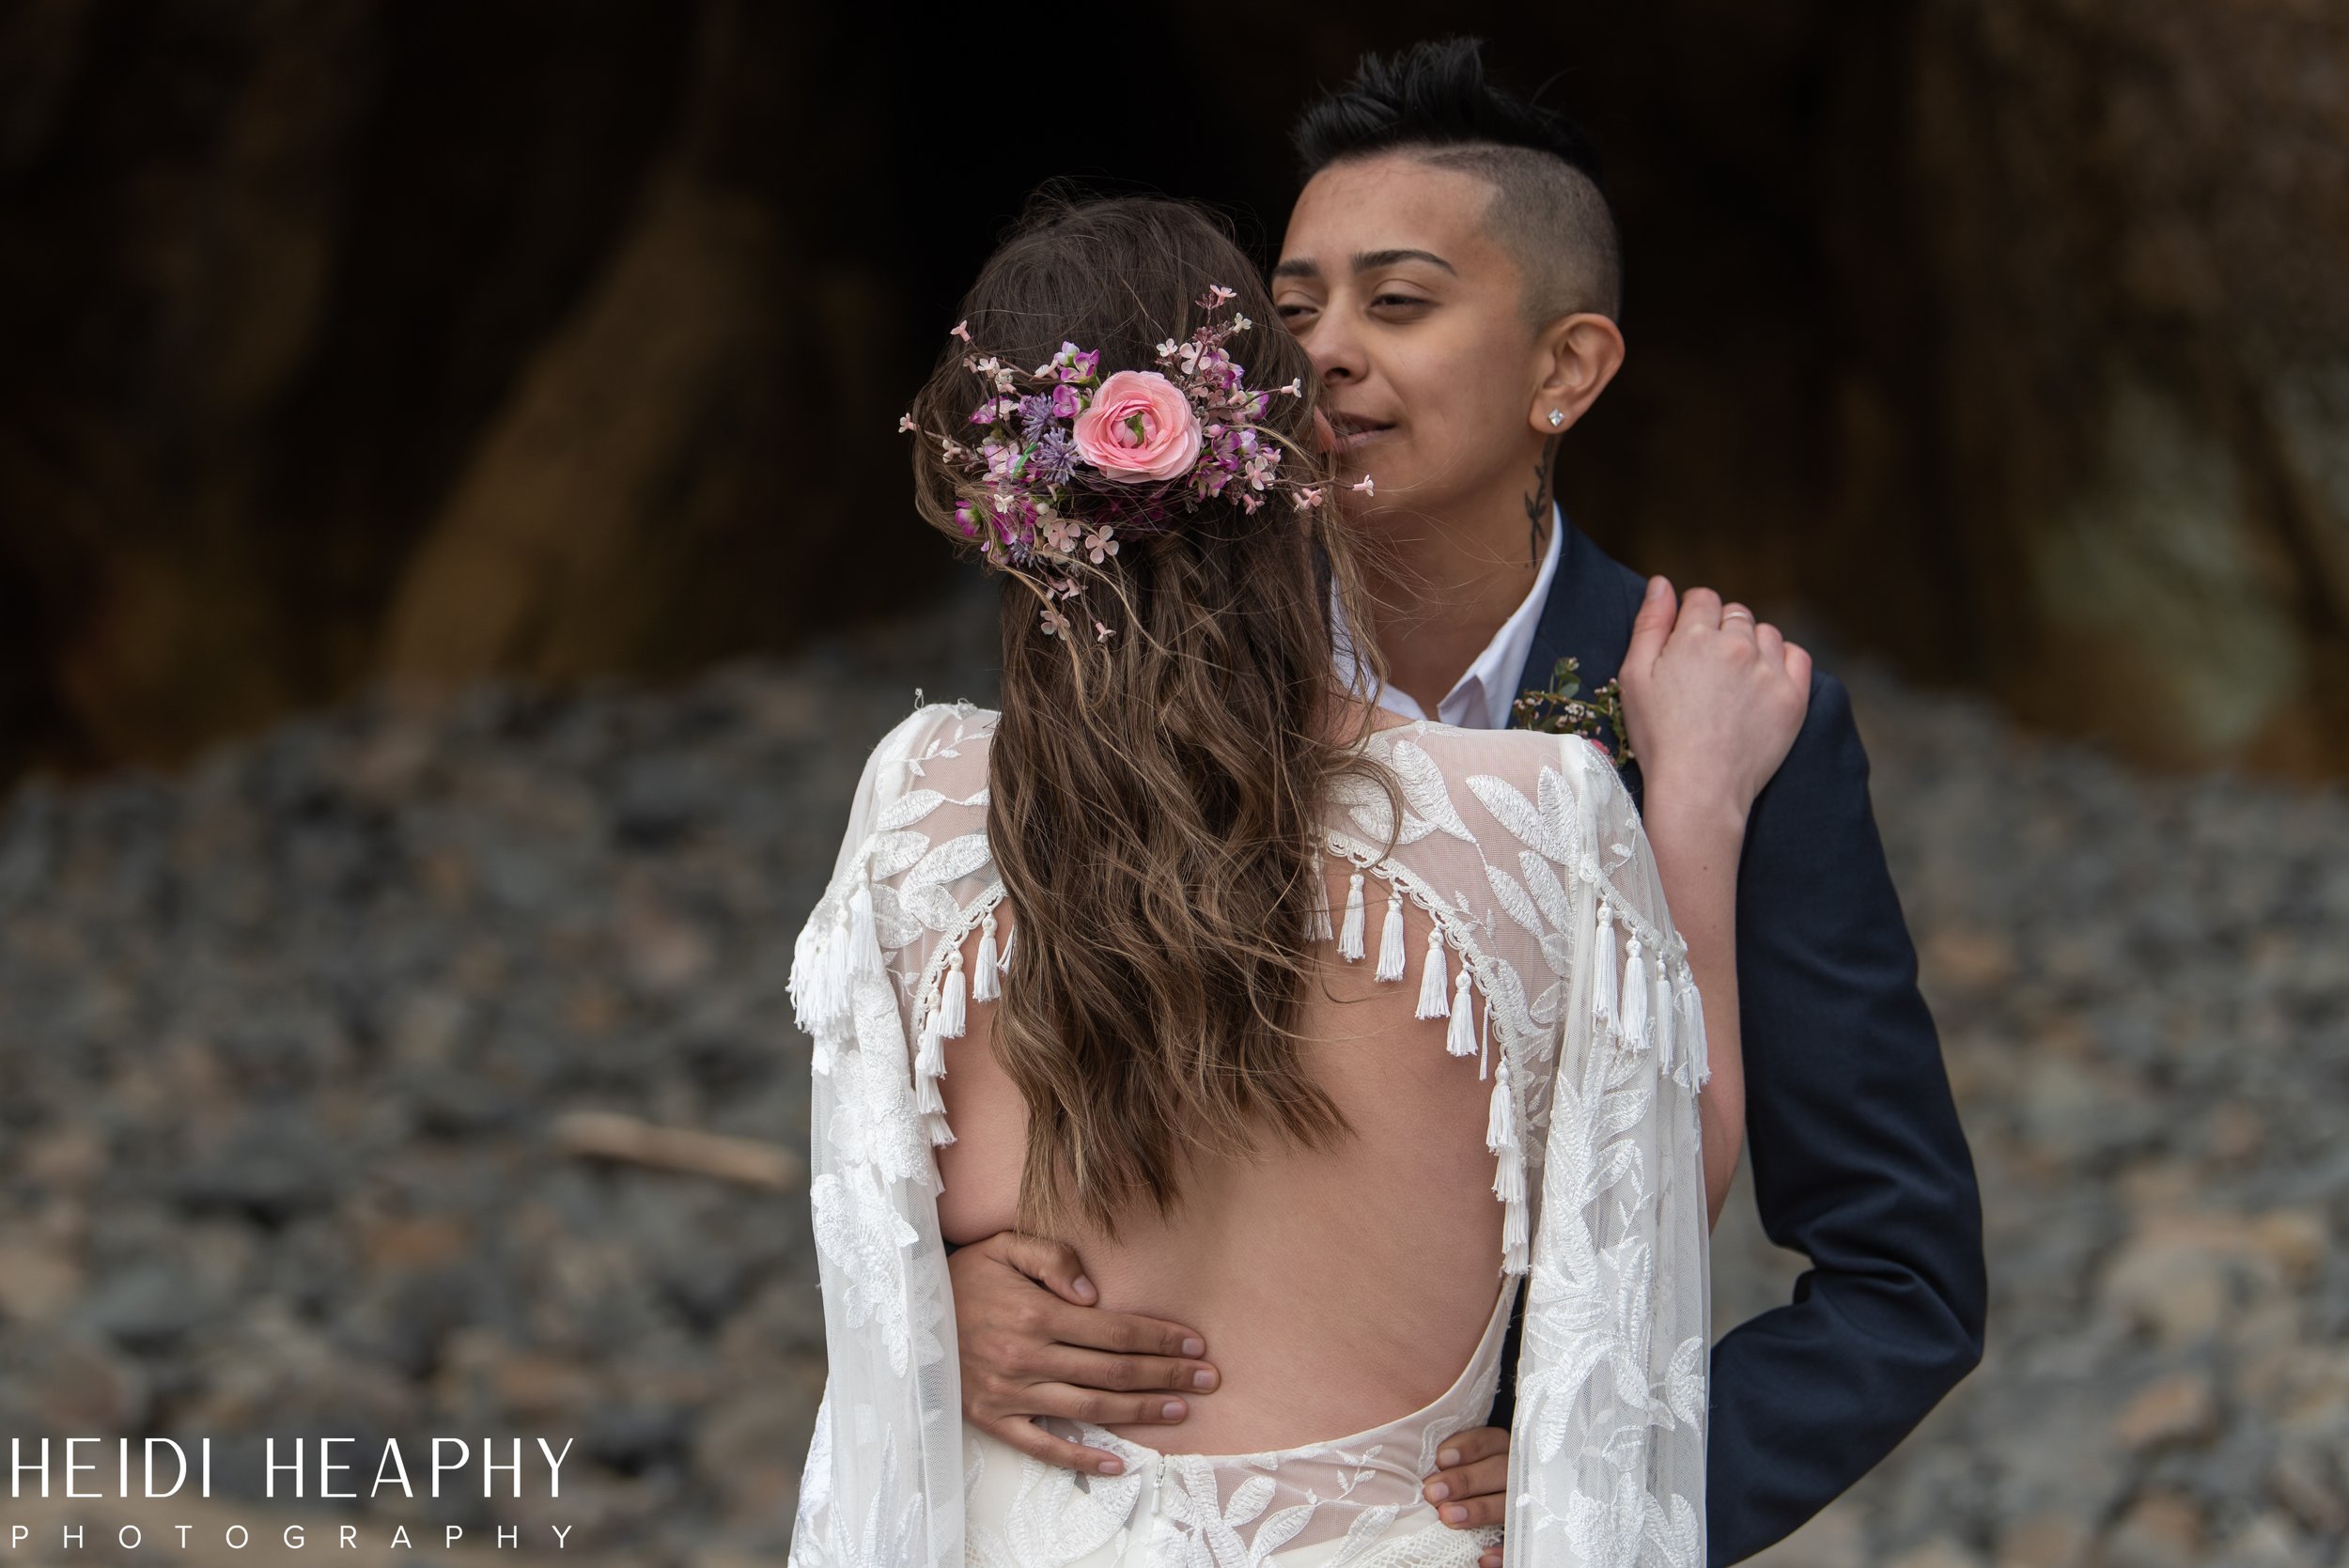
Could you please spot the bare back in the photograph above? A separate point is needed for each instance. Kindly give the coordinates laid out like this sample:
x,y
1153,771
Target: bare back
x,y
1343,1289
1304,1269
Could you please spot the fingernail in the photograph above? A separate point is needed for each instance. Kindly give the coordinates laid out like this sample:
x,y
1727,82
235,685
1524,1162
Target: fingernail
x,y
1448,1457
1112,1467
1456,1514
1203,1378
1173,1410
1195,1348
1084,1287
1439,1491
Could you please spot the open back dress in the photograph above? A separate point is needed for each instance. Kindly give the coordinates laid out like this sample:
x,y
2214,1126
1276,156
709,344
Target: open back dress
x,y
1548,968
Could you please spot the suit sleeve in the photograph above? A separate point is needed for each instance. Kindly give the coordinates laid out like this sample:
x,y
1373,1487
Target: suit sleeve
x,y
1859,1161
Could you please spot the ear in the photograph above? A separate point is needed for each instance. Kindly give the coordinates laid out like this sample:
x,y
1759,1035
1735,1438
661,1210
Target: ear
x,y
1575,356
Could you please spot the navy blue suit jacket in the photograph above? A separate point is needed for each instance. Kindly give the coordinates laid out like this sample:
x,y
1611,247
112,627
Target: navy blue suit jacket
x,y
1858,1159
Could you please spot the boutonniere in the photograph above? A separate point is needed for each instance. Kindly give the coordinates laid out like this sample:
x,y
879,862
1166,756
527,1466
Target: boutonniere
x,y
1559,709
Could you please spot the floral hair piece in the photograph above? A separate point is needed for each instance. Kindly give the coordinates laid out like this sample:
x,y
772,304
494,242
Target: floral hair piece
x,y
1064,463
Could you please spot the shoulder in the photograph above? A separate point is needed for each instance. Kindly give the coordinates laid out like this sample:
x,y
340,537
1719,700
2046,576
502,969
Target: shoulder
x,y
1506,753
1828,758
1549,772
949,738
936,724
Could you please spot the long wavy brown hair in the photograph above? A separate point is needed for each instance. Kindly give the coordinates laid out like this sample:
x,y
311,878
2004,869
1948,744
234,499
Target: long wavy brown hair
x,y
1155,797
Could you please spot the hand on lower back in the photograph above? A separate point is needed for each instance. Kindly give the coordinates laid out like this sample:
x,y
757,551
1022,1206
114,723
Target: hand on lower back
x,y
1032,1343
1470,1484
1712,697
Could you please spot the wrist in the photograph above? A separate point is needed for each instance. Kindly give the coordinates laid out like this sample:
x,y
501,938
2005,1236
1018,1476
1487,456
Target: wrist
x,y
1708,804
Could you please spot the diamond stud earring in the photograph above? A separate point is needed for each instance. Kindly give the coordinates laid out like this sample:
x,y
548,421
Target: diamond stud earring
x,y
1556,419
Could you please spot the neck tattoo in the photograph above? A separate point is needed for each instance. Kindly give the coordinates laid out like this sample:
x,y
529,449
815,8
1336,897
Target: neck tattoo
x,y
1538,503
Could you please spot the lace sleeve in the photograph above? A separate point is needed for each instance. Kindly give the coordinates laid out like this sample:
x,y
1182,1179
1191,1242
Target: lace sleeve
x,y
1606,1456
882,1482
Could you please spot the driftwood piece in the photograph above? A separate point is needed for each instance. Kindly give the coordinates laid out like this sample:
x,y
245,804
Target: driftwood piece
x,y
608,1135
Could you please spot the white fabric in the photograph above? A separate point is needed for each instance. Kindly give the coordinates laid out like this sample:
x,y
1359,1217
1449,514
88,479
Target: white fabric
x,y
1527,853
1352,1500
1481,698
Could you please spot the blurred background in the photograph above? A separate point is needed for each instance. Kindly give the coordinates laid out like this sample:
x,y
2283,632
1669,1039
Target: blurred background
x,y
452,558
361,340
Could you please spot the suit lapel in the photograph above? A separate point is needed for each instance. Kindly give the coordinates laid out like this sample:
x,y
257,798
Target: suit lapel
x,y
1587,617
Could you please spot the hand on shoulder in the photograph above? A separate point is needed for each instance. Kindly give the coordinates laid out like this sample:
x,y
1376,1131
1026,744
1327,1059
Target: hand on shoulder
x,y
1713,697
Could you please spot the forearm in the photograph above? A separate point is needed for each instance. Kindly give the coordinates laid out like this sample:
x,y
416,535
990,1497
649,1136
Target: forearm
x,y
1697,840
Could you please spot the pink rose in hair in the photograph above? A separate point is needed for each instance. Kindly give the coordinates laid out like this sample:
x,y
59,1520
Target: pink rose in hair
x,y
1138,425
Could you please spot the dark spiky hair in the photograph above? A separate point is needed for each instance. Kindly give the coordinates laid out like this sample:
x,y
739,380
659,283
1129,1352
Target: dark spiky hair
x,y
1434,102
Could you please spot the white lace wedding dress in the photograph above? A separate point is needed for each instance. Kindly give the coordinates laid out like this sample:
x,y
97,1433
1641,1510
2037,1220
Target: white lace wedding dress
x,y
1552,962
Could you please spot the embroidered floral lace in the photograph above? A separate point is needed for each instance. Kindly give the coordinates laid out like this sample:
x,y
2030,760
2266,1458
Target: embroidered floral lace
x,y
1553,962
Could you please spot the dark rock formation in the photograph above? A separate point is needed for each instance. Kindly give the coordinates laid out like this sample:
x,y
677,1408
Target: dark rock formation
x,y
431,341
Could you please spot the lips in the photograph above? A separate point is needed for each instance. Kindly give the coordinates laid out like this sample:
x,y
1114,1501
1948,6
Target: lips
x,y
1355,432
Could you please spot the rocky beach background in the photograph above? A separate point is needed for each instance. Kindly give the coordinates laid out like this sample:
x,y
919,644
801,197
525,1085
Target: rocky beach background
x,y
304,1046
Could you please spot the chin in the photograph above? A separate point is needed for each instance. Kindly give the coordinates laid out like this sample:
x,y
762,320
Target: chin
x,y
1380,462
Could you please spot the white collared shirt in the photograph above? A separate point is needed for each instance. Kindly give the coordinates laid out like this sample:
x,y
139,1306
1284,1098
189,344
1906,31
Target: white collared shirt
x,y
1481,698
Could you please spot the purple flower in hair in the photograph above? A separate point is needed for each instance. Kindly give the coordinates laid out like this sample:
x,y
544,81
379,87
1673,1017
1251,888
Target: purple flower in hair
x,y
1051,460
1075,364
1035,411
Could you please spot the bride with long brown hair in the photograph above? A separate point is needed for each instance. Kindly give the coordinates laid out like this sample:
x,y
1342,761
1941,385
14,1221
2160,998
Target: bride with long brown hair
x,y
1325,1032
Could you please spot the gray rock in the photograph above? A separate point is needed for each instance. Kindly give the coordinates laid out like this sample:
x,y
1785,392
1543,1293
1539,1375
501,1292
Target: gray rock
x,y
282,1036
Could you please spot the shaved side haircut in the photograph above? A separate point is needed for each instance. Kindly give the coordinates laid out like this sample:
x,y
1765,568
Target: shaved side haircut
x,y
1433,103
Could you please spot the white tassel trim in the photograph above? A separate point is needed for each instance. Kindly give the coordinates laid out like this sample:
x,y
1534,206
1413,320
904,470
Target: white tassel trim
x,y
826,960
1391,938
1501,1136
1603,962
1461,1038
807,955
864,954
1500,1131
984,985
929,1068
933,1126
1662,1012
1485,1040
832,972
954,1014
1634,997
1509,1177
1434,984
1350,935
1321,928
1513,1238
1694,1067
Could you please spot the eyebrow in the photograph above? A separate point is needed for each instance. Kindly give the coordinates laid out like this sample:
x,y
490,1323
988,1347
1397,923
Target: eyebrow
x,y
1366,261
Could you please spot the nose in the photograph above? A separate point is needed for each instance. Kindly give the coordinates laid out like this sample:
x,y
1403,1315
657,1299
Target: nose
x,y
1335,350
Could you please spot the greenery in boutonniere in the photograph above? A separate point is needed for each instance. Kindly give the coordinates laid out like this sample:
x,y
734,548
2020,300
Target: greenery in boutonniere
x,y
1562,709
